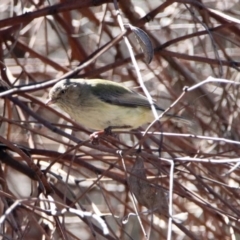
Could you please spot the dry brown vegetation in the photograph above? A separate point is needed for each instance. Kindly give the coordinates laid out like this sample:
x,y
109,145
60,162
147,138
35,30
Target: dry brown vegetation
x,y
44,153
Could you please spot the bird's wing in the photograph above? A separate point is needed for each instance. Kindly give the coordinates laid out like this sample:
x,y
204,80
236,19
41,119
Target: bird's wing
x,y
117,94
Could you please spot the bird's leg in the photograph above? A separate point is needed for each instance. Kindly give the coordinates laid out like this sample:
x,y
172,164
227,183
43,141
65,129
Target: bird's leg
x,y
108,131
116,127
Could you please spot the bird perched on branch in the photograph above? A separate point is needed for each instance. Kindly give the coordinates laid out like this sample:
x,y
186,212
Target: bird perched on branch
x,y
101,104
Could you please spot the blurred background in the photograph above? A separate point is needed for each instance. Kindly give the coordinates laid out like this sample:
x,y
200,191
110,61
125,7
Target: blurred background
x,y
43,152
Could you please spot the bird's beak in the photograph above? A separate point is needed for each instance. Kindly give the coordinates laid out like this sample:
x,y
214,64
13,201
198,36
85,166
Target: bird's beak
x,y
49,102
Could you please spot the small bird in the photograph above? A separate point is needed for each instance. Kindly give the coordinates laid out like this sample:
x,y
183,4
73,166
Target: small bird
x,y
101,104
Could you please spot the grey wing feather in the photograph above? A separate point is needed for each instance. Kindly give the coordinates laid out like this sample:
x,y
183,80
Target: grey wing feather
x,y
119,95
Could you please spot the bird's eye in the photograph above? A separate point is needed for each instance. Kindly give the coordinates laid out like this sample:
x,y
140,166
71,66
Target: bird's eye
x,y
63,91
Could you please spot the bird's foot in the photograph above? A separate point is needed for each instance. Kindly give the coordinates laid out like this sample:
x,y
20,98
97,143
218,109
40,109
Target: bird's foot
x,y
94,137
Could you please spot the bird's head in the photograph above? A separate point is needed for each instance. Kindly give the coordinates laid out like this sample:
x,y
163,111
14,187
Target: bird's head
x,y
65,93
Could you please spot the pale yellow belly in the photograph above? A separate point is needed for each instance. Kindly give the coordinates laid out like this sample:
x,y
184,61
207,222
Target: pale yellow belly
x,y
114,116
